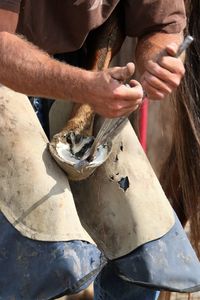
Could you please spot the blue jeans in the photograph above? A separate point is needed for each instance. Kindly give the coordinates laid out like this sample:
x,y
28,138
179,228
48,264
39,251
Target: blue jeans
x,y
31,270
109,286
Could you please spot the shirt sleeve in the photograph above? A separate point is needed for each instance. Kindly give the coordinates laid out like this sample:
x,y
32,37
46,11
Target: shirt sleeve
x,y
11,5
147,16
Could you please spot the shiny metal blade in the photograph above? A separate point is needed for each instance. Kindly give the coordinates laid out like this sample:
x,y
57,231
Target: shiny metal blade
x,y
108,127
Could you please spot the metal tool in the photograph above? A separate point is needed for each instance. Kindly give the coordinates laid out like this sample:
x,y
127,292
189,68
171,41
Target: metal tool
x,y
107,129
184,45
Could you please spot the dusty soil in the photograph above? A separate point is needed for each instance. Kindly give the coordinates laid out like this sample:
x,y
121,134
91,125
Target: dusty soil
x,y
195,296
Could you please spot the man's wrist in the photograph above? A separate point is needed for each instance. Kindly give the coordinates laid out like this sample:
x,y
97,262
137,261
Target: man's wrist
x,y
77,84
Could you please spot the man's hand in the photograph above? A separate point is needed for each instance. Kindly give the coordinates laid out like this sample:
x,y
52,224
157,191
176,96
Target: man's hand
x,y
162,77
27,69
108,94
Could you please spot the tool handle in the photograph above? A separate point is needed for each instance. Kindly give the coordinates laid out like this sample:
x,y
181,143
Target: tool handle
x,y
184,45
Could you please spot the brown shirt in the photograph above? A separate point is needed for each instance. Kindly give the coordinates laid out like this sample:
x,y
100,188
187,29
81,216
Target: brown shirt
x,y
62,25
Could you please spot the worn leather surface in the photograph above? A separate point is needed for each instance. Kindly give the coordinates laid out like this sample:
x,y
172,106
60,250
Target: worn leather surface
x,y
35,193
122,205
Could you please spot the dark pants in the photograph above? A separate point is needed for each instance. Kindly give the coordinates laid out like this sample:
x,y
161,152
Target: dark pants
x,y
34,270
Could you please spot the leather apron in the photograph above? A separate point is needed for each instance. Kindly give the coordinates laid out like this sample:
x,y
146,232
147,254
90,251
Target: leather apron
x,y
34,192
122,205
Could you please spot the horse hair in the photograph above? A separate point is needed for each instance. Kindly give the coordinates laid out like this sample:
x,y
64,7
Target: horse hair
x,y
180,175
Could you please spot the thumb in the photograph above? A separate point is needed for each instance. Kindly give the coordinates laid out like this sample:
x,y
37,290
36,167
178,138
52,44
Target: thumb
x,y
122,73
172,49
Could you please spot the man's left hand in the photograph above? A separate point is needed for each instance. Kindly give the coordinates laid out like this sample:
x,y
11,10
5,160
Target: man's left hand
x,y
162,77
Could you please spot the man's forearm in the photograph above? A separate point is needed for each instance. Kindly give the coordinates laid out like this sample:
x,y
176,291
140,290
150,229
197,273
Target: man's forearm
x,y
151,46
26,69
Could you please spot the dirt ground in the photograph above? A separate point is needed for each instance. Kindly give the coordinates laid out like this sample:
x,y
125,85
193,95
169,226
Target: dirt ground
x,y
195,296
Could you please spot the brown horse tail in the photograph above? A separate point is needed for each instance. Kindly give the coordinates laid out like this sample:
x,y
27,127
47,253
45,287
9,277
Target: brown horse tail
x,y
180,176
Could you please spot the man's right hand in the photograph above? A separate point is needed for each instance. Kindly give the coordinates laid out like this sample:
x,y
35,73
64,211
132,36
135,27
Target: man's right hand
x,y
108,94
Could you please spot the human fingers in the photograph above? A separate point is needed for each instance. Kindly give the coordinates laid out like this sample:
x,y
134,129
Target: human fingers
x,y
124,110
173,65
129,93
150,81
134,83
152,92
129,98
170,78
122,73
111,98
125,99
172,49
118,110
